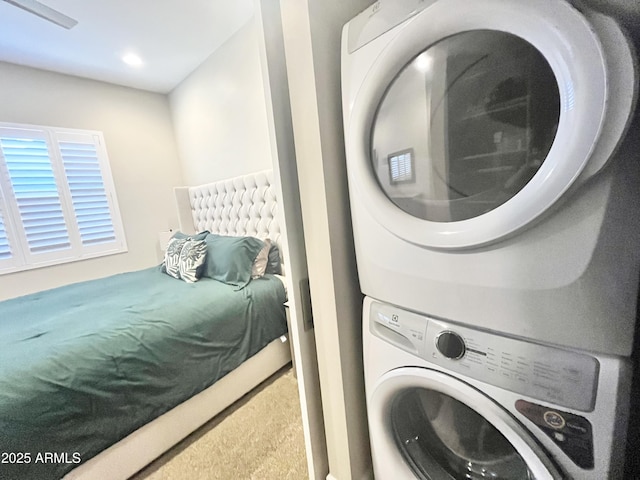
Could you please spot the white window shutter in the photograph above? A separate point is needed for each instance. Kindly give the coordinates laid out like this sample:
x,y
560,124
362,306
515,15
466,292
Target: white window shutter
x,y
401,167
57,199
36,194
5,248
88,193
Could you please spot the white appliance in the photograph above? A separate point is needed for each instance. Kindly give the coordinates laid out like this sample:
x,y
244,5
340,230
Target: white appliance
x,y
447,401
491,178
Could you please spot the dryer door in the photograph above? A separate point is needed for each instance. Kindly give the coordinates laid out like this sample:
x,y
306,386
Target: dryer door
x,y
477,114
428,425
468,127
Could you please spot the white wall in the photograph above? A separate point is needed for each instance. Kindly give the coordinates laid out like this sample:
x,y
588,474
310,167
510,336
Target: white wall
x,y
143,156
219,113
277,96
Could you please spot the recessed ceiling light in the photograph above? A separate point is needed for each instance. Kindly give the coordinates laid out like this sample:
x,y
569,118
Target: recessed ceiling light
x,y
132,59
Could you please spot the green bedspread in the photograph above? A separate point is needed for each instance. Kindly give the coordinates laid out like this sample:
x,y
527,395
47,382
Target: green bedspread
x,y
84,365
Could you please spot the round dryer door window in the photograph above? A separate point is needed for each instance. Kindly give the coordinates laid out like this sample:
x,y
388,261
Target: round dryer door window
x,y
438,435
465,126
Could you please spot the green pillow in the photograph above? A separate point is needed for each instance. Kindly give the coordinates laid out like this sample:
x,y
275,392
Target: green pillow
x,y
230,259
273,264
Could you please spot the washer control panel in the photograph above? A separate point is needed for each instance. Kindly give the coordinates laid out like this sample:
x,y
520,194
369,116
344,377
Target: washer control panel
x,y
545,373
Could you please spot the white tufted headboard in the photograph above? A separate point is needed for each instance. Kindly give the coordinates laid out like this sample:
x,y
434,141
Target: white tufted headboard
x,y
239,206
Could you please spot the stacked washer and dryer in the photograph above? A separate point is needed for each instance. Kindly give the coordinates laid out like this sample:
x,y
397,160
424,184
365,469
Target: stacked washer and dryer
x,y
495,197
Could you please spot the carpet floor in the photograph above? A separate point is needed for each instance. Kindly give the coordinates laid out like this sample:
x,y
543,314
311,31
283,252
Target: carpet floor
x,y
258,438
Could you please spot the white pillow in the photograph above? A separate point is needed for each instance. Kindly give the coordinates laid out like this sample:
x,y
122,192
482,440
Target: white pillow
x,y
260,263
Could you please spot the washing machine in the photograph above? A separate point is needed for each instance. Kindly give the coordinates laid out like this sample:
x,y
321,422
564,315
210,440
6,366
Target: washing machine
x,y
493,177
447,401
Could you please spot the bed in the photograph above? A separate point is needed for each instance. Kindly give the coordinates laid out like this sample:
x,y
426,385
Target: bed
x,y
100,388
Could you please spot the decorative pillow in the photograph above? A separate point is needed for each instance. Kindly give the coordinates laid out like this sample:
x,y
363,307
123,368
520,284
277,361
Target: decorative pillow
x,y
185,258
195,236
260,263
181,236
273,264
192,258
230,259
171,264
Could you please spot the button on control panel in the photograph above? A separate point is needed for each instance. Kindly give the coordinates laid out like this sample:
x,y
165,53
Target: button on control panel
x,y
554,419
572,433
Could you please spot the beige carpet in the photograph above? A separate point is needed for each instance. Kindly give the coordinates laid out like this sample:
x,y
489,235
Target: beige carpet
x,y
258,438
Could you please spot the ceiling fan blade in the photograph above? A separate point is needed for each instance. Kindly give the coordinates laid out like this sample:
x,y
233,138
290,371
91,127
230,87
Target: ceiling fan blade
x,y
42,11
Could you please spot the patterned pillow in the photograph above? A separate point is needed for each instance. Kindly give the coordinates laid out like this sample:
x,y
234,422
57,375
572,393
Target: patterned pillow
x,y
184,259
191,236
181,236
172,256
192,258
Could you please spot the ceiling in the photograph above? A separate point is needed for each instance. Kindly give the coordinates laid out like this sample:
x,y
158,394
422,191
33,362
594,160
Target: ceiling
x,y
172,37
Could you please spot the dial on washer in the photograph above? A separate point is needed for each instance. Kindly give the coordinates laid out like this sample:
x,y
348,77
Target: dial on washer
x,y
451,345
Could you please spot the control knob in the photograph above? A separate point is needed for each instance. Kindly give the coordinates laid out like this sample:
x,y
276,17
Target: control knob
x,y
450,344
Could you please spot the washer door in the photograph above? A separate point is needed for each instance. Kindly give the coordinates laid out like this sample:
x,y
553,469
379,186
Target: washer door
x,y
468,127
428,425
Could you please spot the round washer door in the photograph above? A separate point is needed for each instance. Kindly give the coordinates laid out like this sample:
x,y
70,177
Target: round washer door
x,y
468,127
428,425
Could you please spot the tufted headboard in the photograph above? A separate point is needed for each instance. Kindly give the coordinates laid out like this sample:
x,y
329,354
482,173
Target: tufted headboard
x,y
239,206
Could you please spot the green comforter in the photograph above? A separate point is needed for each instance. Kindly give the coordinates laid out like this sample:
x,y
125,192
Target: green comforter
x,y
84,365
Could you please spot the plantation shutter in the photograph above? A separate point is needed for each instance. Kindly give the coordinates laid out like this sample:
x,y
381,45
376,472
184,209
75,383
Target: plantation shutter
x,y
88,193
400,165
35,190
5,249
57,199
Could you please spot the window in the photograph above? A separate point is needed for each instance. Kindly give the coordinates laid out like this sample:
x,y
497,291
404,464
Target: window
x,y
57,200
401,167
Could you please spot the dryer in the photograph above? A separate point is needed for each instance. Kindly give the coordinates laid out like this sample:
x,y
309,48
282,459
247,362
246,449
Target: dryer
x,y
492,181
447,401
